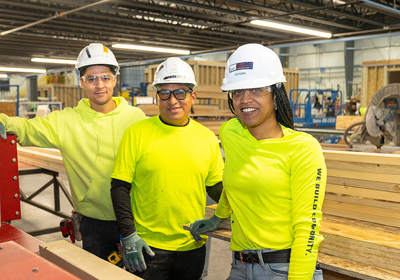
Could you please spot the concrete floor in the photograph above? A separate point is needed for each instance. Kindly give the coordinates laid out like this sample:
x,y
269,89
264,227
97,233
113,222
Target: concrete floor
x,y
34,219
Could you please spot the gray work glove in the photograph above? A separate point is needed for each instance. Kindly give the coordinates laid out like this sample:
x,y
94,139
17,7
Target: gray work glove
x,y
76,219
204,225
3,133
133,252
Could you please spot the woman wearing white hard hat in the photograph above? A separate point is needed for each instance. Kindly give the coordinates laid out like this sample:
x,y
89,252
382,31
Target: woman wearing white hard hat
x,y
274,177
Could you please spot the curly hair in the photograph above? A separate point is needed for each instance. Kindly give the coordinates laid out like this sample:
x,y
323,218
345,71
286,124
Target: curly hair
x,y
283,112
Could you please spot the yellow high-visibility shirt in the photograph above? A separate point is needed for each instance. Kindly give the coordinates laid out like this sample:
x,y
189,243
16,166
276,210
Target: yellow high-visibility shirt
x,y
273,192
169,168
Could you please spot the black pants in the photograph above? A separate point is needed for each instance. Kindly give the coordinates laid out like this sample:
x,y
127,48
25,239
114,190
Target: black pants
x,y
174,265
99,237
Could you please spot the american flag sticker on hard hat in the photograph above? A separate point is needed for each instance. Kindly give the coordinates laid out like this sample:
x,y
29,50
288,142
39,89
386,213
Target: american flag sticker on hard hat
x,y
240,66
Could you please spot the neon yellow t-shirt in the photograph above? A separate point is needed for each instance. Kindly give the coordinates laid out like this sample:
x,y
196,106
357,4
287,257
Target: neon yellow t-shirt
x,y
169,168
274,189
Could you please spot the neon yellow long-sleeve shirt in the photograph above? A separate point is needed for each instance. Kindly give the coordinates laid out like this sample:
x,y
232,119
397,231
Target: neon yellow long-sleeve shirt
x,y
273,191
88,142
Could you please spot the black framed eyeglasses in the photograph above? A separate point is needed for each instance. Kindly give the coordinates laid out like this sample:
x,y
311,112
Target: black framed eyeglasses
x,y
252,92
180,94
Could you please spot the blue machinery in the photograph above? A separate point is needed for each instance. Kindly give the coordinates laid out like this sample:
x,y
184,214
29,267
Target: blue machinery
x,y
316,107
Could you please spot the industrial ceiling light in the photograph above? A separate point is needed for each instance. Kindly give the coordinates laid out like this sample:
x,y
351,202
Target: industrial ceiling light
x,y
291,28
150,49
3,75
27,70
52,60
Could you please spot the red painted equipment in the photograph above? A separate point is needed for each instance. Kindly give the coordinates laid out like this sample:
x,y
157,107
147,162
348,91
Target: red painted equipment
x,y
9,180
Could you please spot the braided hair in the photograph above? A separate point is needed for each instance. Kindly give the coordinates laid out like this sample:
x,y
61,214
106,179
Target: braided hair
x,y
283,112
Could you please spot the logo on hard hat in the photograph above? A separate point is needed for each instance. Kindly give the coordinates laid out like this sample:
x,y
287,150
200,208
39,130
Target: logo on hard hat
x,y
174,77
88,53
105,52
240,66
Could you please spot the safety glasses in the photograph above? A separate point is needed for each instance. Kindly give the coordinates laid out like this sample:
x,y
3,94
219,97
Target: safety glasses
x,y
180,94
252,92
93,80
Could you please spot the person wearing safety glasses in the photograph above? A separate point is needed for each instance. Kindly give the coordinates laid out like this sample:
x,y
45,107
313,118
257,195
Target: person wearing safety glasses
x,y
274,177
87,136
167,163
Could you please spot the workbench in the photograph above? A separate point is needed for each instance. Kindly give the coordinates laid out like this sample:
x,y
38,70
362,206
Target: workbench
x,y
56,183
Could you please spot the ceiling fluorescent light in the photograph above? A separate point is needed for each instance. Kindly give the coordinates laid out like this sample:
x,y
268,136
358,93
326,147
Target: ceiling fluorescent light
x,y
3,75
291,28
27,70
52,60
150,49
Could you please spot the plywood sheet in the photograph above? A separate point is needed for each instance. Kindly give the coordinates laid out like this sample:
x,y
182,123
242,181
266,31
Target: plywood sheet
x,y
8,108
343,122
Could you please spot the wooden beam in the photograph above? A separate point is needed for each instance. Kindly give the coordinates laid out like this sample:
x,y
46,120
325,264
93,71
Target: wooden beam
x,y
388,159
41,159
373,195
364,184
376,177
381,62
362,212
370,167
82,263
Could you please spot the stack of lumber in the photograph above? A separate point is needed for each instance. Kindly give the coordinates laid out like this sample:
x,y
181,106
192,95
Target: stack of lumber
x,y
343,122
49,159
363,186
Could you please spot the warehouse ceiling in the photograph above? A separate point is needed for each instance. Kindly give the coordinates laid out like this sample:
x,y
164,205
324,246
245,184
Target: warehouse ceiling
x,y
61,28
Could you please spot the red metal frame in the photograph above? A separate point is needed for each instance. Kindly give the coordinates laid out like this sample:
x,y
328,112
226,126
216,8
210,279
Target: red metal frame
x,y
10,233
16,262
10,208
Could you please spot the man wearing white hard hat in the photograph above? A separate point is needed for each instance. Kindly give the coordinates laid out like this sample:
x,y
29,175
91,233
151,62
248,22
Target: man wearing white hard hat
x,y
168,163
274,177
88,137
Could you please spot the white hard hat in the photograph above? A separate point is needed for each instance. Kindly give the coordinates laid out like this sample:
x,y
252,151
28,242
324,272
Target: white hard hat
x,y
96,54
252,66
174,71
